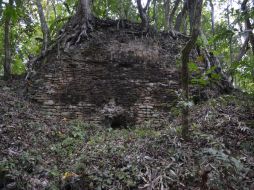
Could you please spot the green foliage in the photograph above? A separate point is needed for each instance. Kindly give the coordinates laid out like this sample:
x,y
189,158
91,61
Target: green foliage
x,y
25,29
200,81
203,79
244,73
18,67
70,141
193,67
122,9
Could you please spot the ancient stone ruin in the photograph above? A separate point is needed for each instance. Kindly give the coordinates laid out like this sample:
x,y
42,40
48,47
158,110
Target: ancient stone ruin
x,y
114,77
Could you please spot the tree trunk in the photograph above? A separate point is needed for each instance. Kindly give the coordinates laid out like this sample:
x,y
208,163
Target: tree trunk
x,y
185,25
191,10
230,37
143,14
7,46
212,21
155,15
195,25
86,10
248,25
121,7
86,17
80,23
166,11
243,49
181,16
172,14
44,27
47,10
1,7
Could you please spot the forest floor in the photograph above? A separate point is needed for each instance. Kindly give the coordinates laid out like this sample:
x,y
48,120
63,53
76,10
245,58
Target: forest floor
x,y
41,152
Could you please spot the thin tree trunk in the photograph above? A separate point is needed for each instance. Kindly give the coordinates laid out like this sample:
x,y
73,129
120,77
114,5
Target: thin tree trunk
x,y
155,16
185,24
191,9
47,10
248,24
203,37
212,20
7,46
143,14
44,27
212,16
166,11
243,49
1,7
195,25
230,38
121,7
106,9
172,14
85,10
240,26
180,17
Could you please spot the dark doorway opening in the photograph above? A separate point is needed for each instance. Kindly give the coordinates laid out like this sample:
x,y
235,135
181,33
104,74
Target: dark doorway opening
x,y
121,121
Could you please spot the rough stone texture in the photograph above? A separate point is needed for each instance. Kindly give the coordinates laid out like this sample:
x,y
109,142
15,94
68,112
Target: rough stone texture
x,y
113,75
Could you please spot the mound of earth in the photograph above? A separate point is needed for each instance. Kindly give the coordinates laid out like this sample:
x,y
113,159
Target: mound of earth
x,y
38,151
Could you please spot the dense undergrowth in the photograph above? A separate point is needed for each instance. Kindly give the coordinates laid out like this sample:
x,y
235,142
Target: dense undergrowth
x,y
41,152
